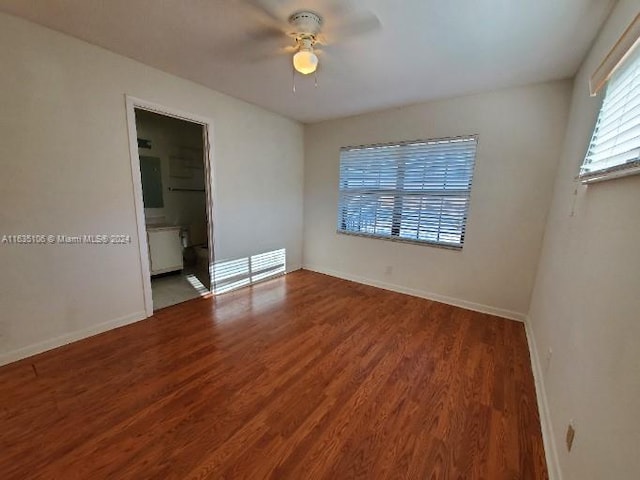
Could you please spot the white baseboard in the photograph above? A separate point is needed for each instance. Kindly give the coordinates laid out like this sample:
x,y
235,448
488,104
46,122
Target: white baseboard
x,y
551,454
40,347
477,307
293,268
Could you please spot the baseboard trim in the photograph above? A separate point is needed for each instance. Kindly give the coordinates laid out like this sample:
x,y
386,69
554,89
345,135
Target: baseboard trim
x,y
456,302
34,349
550,451
293,268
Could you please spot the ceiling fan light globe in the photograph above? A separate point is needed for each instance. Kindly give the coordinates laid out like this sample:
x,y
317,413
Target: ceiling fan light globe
x,y
305,62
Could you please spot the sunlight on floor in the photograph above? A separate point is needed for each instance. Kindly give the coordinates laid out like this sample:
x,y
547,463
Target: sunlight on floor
x,y
172,289
197,284
236,273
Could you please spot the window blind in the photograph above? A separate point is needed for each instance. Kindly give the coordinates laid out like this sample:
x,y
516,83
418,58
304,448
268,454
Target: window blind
x,y
414,191
615,144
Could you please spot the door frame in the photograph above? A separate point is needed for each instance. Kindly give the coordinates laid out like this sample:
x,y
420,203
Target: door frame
x,y
132,103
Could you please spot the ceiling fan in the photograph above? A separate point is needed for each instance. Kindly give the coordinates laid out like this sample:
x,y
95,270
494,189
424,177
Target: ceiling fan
x,y
307,28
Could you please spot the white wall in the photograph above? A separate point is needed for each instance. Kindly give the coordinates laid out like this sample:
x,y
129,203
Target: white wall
x,y
586,302
66,169
520,137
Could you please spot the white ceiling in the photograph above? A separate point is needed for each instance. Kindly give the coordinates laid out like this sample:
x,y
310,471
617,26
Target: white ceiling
x,y
425,49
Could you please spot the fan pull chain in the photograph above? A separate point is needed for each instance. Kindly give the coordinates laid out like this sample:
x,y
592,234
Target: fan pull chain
x,y
315,76
293,79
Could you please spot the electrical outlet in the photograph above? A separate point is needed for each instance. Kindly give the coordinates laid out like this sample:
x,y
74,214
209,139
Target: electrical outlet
x,y
571,433
388,270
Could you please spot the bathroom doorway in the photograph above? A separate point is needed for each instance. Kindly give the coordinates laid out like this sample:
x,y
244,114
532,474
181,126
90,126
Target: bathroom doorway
x,y
171,170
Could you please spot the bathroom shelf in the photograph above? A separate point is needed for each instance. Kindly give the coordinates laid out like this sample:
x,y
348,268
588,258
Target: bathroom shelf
x,y
172,189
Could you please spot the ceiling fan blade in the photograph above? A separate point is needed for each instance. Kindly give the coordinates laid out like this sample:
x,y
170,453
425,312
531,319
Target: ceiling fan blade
x,y
266,34
265,10
254,46
321,40
362,24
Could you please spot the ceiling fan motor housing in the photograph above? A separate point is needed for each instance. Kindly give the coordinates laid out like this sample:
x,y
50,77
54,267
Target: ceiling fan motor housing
x,y
305,24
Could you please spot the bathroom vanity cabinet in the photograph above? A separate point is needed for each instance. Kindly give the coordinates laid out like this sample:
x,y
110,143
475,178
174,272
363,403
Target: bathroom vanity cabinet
x,y
165,249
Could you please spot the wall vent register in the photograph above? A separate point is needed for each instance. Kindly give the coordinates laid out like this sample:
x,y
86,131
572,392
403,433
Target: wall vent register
x,y
415,191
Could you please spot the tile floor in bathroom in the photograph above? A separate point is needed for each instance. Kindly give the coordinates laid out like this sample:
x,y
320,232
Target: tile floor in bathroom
x,y
178,287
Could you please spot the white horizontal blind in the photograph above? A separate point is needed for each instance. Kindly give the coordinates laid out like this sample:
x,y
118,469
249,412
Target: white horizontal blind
x,y
415,191
615,144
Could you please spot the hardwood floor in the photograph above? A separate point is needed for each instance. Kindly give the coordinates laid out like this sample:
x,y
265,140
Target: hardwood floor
x,y
302,377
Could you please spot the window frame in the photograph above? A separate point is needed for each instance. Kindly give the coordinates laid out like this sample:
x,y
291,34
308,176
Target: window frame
x,y
396,223
626,49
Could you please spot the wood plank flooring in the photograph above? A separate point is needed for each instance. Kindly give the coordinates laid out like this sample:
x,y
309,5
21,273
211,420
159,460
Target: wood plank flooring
x,y
302,377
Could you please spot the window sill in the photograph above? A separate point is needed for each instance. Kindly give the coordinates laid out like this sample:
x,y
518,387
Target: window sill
x,y
445,246
625,170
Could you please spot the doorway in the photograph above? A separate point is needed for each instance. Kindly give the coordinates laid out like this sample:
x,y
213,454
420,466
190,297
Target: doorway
x,y
171,171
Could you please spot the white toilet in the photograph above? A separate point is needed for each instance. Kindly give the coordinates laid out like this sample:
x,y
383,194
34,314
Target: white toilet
x,y
195,245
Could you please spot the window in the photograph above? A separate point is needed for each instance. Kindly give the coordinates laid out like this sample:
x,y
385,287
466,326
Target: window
x,y
615,145
412,191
